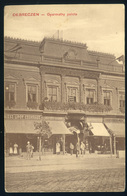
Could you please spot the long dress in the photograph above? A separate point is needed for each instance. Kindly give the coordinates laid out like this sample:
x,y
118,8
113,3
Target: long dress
x,y
15,148
10,150
57,148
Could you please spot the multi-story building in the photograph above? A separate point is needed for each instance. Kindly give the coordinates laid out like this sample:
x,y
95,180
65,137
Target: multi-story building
x,y
69,87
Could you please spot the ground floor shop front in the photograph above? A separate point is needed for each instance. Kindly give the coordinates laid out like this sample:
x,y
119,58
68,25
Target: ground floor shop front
x,y
97,135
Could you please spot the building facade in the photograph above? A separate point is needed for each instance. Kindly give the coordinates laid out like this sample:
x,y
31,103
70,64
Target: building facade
x,y
66,85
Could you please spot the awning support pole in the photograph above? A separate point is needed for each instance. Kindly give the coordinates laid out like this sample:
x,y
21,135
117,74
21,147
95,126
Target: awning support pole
x,y
111,145
40,148
114,145
63,143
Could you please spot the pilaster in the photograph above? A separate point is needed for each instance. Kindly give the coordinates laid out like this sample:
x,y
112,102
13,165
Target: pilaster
x,y
81,90
99,96
63,90
42,87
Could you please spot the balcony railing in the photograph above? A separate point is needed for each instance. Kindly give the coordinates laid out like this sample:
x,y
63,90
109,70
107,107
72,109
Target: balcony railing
x,y
61,61
48,105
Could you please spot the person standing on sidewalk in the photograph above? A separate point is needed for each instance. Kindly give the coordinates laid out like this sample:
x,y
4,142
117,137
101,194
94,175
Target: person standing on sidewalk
x,y
71,148
10,150
32,148
15,149
77,149
28,150
57,148
82,148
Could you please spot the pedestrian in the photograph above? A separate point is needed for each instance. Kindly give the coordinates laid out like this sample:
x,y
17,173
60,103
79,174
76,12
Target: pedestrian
x,y
10,150
57,148
82,148
77,149
20,151
28,150
15,149
71,148
32,148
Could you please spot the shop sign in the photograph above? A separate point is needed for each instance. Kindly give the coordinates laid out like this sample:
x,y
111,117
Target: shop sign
x,y
22,116
115,120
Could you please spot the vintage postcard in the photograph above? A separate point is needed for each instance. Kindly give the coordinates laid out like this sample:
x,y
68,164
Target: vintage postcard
x,y
64,96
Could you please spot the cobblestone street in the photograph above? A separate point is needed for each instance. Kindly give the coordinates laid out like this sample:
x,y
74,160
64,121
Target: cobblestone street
x,y
91,173
107,180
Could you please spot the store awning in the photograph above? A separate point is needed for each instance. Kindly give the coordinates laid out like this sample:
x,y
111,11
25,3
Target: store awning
x,y
20,126
58,127
117,129
98,129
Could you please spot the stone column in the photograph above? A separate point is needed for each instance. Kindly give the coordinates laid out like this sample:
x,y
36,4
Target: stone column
x,y
114,144
63,92
42,94
99,96
117,96
111,145
63,136
81,90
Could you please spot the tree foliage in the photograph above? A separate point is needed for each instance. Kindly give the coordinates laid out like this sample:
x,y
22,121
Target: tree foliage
x,y
42,129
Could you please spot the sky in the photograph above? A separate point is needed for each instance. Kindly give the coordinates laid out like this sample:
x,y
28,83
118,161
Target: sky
x,y
101,27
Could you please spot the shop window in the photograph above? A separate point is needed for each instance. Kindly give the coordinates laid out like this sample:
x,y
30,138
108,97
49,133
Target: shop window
x,y
32,93
121,100
52,93
72,95
107,99
90,96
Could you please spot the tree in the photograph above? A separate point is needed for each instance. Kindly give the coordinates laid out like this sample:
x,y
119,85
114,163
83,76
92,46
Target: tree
x,y
43,131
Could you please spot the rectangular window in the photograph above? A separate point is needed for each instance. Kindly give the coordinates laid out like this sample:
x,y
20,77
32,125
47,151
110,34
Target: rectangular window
x,y
32,93
107,98
121,100
90,96
9,92
52,93
72,95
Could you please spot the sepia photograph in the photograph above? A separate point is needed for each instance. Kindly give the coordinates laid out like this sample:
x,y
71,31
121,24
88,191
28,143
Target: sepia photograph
x,y
64,98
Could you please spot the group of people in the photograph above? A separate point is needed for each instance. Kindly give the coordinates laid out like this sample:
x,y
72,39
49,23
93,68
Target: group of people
x,y
80,148
29,150
13,150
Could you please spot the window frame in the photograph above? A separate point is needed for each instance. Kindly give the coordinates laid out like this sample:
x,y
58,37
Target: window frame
x,y
73,87
52,86
10,83
34,85
106,100
121,93
86,95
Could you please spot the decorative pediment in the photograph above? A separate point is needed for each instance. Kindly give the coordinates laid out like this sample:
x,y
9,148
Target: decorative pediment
x,y
72,83
10,77
106,86
32,79
90,85
89,82
72,80
52,81
70,54
55,79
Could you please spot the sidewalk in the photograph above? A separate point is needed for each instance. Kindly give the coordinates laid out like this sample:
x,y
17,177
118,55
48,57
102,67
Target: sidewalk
x,y
62,162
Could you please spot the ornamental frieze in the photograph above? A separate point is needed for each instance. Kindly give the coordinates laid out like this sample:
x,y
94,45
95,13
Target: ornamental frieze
x,y
69,72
